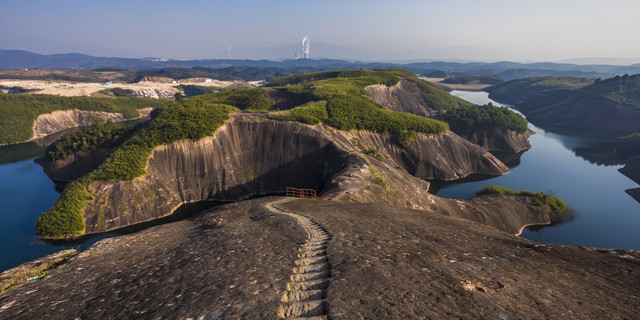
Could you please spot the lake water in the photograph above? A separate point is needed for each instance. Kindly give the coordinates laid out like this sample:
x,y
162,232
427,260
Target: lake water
x,y
606,216
575,166
25,192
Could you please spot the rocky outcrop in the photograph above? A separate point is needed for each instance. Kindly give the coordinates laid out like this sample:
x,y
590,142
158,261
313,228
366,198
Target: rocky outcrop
x,y
439,157
368,180
503,140
156,93
74,165
250,155
50,123
405,96
234,262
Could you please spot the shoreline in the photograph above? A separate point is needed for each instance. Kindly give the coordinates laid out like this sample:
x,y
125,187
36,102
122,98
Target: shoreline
x,y
529,225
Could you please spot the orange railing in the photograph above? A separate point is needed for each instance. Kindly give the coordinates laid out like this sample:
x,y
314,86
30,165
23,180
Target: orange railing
x,y
301,193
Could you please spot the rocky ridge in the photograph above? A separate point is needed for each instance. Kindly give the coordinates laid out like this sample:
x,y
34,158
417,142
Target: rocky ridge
x,y
238,162
234,261
406,96
50,123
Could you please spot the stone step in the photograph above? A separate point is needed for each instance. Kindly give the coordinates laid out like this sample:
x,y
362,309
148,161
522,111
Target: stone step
x,y
310,275
299,296
302,309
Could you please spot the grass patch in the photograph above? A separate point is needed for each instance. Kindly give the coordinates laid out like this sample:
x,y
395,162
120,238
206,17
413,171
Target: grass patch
x,y
309,113
357,112
249,100
374,172
552,205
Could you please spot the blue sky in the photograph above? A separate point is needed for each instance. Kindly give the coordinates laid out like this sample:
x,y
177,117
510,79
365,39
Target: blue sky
x,y
375,30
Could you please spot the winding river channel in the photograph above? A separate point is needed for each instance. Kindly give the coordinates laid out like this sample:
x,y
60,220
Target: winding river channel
x,y
569,165
574,166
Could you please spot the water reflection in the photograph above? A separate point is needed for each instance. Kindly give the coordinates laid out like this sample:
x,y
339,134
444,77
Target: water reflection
x,y
597,147
579,167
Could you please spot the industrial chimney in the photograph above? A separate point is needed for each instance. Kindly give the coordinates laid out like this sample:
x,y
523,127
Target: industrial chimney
x,y
305,47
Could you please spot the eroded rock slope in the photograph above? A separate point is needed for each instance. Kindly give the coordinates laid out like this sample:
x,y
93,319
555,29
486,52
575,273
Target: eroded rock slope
x,y
50,123
234,262
406,96
250,155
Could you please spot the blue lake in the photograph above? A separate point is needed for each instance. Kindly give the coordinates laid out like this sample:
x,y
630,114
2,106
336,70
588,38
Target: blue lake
x,y
606,216
25,192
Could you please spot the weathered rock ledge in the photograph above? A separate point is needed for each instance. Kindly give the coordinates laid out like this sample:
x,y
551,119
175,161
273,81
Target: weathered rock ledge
x,y
406,96
250,155
234,262
50,123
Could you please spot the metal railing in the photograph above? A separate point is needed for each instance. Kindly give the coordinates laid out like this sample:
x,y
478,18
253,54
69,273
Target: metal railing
x,y
301,193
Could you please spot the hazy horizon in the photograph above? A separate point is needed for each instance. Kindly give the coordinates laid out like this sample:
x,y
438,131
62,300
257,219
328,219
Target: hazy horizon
x,y
571,31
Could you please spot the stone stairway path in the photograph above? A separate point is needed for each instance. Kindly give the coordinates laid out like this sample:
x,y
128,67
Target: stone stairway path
x,y
305,294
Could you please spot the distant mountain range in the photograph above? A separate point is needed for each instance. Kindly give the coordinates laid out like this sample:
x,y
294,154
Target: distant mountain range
x,y
19,59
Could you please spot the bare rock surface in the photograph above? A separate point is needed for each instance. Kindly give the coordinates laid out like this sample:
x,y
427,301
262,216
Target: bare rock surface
x,y
156,93
392,263
250,155
406,96
234,262
368,180
503,140
50,123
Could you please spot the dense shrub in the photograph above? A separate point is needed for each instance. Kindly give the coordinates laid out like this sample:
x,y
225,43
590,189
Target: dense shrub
x,y
65,218
118,92
100,135
353,112
309,113
546,203
191,120
485,117
245,99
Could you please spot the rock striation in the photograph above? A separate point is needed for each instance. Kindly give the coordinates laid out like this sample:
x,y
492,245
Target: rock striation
x,y
251,155
50,123
156,93
406,96
235,262
503,140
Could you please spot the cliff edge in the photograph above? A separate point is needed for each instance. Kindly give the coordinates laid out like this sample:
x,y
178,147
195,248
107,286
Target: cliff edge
x,y
250,155
235,261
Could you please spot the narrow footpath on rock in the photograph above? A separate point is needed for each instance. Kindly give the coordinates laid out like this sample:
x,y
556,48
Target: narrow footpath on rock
x,y
305,294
